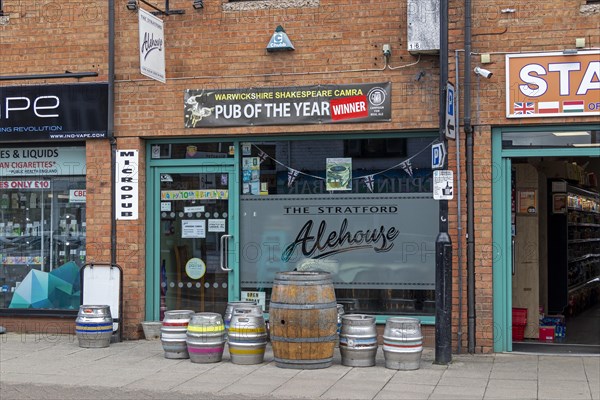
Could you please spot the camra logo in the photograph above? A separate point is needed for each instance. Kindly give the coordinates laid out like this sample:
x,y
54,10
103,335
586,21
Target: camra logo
x,y
376,96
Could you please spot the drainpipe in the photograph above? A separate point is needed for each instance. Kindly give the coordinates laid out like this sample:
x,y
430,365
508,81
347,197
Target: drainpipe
x,y
470,186
111,127
459,333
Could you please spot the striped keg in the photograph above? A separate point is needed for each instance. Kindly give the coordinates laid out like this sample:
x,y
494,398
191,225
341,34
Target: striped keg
x,y
206,338
247,336
358,340
173,333
402,343
94,326
231,306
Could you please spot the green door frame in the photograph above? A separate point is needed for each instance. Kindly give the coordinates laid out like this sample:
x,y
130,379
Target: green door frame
x,y
153,170
501,224
155,166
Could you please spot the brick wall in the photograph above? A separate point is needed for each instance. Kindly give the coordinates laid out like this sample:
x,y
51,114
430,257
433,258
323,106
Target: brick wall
x,y
223,46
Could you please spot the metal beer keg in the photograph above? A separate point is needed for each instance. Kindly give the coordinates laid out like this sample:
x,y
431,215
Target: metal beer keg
x,y
173,333
402,343
358,340
206,338
94,326
247,336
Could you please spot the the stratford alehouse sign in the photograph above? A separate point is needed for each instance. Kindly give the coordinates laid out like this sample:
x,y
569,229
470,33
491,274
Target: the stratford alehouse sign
x,y
54,112
320,104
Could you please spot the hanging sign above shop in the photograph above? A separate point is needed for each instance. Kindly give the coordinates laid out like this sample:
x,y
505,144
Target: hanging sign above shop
x,y
152,46
321,104
54,112
553,84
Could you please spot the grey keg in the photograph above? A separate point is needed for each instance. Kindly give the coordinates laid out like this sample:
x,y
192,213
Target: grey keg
x,y
358,340
247,336
173,333
230,307
402,343
94,326
205,338
340,313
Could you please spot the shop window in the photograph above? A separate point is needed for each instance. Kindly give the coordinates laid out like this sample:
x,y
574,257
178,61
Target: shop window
x,y
192,150
42,229
361,209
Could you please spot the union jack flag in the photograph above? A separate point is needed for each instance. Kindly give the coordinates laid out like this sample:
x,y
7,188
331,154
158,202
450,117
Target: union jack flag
x,y
369,180
522,108
292,175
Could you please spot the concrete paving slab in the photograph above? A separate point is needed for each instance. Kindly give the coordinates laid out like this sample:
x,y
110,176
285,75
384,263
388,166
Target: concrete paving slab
x,y
301,388
404,391
519,370
555,389
457,392
463,382
418,377
511,389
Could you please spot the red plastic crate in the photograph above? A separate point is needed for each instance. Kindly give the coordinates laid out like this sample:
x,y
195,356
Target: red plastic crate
x,y
546,333
519,316
518,332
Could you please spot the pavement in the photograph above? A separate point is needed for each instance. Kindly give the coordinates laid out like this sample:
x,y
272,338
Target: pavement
x,y
55,367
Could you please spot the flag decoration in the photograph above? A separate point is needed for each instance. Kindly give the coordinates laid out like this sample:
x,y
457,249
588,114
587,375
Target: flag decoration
x,y
573,106
548,107
262,156
407,167
524,108
369,180
292,175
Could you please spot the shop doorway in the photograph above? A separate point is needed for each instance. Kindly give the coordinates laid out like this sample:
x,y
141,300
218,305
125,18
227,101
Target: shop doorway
x,y
194,238
555,254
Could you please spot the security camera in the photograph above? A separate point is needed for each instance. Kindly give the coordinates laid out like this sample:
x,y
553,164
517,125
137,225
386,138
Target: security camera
x,y
483,72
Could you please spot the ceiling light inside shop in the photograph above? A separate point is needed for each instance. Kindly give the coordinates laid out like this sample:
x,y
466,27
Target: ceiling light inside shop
x,y
576,133
586,144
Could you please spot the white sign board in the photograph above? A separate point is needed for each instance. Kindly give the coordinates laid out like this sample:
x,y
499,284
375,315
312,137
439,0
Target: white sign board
x,y
258,297
42,161
126,185
77,195
193,228
443,185
152,46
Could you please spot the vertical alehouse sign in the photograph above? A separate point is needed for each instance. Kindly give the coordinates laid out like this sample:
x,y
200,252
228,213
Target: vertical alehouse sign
x,y
126,185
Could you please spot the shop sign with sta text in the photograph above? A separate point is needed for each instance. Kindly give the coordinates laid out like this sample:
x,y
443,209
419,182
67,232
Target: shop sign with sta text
x,y
553,84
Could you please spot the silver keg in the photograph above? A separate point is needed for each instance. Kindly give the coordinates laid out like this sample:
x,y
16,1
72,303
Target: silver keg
x,y
229,310
358,340
402,343
173,333
94,326
205,338
247,336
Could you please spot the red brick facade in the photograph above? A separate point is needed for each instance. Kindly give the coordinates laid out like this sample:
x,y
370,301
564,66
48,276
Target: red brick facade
x,y
336,42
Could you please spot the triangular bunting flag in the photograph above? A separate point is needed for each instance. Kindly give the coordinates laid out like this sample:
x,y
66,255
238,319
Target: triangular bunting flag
x,y
262,156
369,180
407,167
292,175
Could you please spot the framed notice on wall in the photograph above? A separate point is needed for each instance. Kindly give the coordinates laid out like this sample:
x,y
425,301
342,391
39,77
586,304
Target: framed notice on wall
x,y
559,203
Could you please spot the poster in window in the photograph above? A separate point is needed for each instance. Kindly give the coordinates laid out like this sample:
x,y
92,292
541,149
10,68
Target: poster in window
x,y
339,174
527,201
559,203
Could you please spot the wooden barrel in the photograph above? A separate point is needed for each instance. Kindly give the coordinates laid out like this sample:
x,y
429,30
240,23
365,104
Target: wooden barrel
x,y
94,326
206,338
303,319
358,340
173,333
247,335
402,343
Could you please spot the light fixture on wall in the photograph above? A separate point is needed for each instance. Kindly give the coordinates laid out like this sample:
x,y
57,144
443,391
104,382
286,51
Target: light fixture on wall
x,y
132,5
198,4
280,41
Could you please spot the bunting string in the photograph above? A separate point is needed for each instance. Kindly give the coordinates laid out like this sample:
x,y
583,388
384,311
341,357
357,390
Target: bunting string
x,y
368,180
